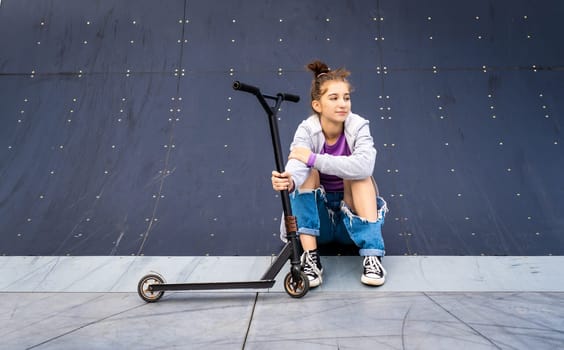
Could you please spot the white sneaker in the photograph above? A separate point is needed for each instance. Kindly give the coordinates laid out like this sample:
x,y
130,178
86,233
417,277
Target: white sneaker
x,y
311,268
374,273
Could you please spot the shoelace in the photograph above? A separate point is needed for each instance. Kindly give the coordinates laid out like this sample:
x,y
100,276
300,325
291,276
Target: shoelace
x,y
309,265
372,265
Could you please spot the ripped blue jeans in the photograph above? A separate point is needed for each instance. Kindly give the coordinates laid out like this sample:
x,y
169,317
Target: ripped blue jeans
x,y
326,216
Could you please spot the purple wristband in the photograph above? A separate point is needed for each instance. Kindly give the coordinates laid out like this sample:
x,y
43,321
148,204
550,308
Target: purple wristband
x,y
311,160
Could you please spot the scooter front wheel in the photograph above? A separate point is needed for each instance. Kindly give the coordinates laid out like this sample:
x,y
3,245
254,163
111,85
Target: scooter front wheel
x,y
296,288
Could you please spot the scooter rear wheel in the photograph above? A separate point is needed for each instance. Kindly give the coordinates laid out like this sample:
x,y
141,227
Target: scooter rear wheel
x,y
143,287
296,288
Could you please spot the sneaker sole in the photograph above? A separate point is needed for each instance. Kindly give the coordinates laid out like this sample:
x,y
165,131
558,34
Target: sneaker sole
x,y
372,281
314,283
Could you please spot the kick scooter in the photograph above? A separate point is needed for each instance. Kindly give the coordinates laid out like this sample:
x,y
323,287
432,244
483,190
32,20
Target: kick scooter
x,y
152,286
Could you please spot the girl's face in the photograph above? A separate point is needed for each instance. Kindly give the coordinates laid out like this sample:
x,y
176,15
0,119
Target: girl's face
x,y
335,103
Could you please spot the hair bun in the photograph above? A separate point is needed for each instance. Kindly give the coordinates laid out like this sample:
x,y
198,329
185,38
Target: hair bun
x,y
318,67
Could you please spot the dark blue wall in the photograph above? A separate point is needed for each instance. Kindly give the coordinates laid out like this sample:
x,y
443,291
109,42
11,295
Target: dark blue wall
x,y
120,133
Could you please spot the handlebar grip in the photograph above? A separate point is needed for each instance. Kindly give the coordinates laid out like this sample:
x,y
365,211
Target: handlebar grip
x,y
237,85
290,97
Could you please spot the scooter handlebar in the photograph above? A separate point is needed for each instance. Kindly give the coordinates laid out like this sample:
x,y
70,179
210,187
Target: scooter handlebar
x,y
237,85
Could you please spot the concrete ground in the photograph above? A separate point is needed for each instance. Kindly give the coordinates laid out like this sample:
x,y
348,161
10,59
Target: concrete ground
x,y
434,302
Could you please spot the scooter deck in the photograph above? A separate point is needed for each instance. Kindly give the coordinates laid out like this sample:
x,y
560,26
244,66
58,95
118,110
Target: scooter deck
x,y
212,285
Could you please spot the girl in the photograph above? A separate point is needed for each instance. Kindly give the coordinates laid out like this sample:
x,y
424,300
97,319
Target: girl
x,y
329,177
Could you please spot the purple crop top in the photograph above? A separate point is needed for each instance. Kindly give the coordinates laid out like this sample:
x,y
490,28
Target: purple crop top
x,y
333,183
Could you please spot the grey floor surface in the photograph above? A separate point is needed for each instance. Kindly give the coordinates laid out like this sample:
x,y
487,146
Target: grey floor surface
x,y
427,303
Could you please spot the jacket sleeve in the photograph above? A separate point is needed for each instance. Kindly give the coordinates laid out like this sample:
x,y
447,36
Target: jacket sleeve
x,y
359,165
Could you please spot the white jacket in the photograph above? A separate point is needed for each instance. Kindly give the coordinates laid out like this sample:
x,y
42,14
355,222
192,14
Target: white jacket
x,y
359,165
